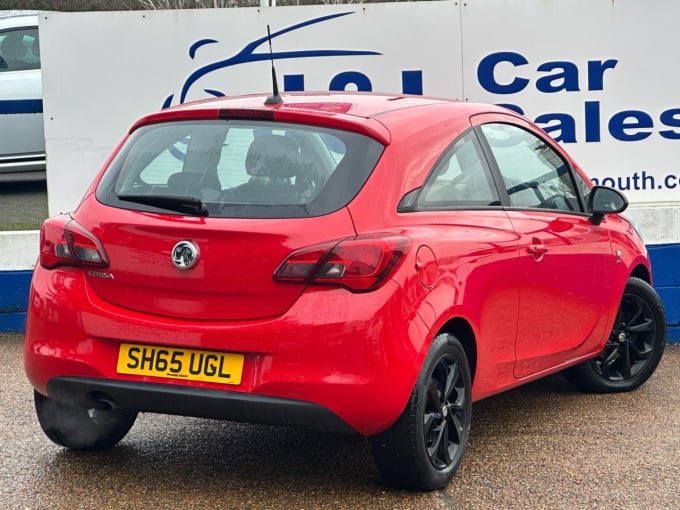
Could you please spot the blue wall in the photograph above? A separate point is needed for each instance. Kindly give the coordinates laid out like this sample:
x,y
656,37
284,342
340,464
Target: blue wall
x,y
14,299
665,265
666,275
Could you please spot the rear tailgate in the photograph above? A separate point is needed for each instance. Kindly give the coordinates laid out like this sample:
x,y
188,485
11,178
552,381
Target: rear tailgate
x,y
232,276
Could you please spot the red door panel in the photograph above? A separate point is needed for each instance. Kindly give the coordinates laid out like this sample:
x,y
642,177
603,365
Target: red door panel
x,y
566,266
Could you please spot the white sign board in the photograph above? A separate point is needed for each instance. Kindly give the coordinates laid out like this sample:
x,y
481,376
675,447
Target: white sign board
x,y
102,71
599,76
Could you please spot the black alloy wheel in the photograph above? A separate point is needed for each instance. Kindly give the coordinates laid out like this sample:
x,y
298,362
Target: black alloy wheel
x,y
424,447
444,417
631,342
634,348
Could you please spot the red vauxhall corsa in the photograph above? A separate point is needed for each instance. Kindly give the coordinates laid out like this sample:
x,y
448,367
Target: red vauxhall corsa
x,y
358,263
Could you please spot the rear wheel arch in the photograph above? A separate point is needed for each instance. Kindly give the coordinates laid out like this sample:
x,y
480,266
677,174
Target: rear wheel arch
x,y
462,330
424,447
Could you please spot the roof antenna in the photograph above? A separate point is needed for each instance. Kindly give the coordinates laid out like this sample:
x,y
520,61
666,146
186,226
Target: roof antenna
x,y
275,98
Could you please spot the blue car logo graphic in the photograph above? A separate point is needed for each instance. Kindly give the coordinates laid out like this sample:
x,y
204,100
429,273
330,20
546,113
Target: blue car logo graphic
x,y
249,54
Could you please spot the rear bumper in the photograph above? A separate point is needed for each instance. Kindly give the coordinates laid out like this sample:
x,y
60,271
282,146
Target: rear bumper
x,y
346,360
188,401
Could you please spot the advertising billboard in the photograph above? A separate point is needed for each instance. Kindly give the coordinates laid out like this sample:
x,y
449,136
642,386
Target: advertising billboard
x,y
599,76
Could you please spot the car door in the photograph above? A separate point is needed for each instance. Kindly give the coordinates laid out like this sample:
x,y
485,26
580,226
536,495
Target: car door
x,y
22,145
461,229
565,260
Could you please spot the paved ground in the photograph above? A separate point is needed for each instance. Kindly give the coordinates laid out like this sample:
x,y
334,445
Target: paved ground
x,y
541,446
23,205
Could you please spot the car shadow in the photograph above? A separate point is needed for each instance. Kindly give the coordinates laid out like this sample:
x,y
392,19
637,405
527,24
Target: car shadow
x,y
212,455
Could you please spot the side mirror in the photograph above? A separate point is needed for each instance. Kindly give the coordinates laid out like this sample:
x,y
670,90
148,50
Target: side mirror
x,y
603,200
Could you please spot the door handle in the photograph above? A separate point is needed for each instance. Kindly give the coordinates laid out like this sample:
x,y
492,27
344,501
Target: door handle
x,y
537,249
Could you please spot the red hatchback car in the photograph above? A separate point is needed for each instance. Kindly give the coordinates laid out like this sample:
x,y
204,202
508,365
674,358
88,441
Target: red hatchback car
x,y
358,263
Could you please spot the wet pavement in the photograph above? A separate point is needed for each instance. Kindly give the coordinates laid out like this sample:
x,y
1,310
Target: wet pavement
x,y
23,204
540,446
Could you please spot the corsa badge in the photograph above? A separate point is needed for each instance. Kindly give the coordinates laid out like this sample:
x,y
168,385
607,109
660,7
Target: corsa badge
x,y
185,255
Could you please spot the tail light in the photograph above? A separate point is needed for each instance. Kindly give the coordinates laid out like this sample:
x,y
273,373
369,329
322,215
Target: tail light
x,y
360,264
64,242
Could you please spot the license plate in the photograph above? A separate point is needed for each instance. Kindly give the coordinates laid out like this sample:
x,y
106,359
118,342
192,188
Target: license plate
x,y
187,364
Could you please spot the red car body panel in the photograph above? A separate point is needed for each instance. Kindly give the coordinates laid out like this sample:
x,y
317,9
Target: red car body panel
x,y
560,279
320,366
536,290
250,249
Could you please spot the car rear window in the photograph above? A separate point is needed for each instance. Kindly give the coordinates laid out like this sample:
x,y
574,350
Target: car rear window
x,y
239,168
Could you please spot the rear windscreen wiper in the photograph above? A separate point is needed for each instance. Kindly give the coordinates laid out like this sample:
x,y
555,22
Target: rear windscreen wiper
x,y
186,205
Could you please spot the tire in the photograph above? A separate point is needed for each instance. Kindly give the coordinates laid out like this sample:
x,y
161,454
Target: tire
x,y
634,348
424,447
78,428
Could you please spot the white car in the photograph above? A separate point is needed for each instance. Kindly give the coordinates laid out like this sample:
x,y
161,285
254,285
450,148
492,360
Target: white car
x,y
22,139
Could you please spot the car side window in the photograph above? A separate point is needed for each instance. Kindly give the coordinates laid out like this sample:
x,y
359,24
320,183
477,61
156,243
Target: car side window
x,y
19,49
582,186
460,178
535,176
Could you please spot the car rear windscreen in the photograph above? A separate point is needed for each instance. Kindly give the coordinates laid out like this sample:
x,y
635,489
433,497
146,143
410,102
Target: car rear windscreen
x,y
239,169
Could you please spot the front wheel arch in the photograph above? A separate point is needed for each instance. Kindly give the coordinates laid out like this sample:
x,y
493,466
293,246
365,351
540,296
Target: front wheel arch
x,y
634,347
641,273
